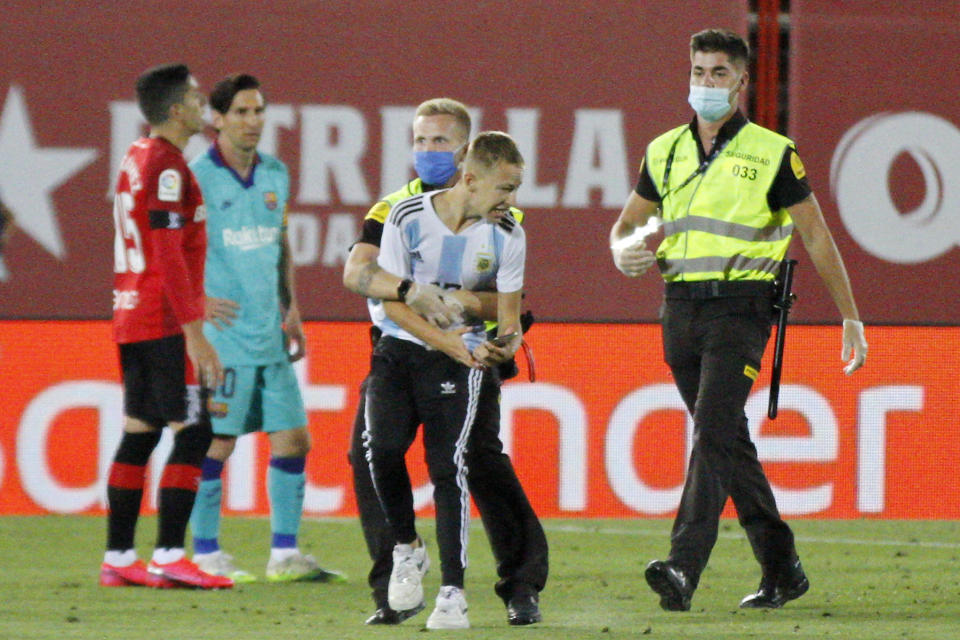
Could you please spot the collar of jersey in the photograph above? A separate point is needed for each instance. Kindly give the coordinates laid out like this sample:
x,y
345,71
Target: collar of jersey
x,y
217,156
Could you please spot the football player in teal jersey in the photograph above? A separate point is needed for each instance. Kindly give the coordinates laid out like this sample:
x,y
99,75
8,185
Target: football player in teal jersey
x,y
254,322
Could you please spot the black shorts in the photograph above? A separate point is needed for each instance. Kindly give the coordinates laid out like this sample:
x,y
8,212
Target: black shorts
x,y
154,382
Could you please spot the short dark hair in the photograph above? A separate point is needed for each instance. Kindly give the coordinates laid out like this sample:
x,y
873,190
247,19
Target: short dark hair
x,y
159,88
722,41
492,147
224,91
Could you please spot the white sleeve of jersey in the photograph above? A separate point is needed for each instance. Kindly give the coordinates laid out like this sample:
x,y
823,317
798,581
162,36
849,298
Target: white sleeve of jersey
x,y
510,273
394,257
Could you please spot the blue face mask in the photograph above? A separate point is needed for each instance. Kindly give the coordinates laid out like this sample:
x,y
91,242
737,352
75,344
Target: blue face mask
x,y
434,167
710,103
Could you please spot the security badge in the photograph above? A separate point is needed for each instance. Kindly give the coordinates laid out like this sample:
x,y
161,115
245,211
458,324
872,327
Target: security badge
x,y
797,166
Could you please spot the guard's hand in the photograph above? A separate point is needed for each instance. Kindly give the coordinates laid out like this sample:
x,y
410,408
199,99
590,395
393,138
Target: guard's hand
x,y
633,260
855,341
427,300
219,310
465,302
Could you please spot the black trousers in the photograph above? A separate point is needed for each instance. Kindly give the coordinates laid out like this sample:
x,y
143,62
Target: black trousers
x,y
713,347
513,529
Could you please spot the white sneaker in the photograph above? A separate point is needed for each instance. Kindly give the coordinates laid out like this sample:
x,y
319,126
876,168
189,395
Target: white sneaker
x,y
405,590
451,610
300,567
219,563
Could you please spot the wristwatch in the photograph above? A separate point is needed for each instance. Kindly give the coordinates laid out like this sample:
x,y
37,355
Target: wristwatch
x,y
403,288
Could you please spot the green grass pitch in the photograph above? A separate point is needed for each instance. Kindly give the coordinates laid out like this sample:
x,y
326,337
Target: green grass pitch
x,y
869,579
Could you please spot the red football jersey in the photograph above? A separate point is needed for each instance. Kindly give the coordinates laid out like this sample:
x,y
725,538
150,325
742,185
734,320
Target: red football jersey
x,y
160,243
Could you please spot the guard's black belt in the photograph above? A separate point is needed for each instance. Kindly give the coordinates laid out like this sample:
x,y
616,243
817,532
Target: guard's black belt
x,y
706,289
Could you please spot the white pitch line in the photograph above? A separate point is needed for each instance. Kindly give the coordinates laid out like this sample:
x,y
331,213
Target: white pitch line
x,y
571,528
613,531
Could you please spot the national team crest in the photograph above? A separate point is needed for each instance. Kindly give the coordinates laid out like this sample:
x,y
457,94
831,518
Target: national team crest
x,y
484,262
270,199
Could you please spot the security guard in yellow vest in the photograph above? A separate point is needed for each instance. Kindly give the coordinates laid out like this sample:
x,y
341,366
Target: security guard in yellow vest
x,y
730,194
441,129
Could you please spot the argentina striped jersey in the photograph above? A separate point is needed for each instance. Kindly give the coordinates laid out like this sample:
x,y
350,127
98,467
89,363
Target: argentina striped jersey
x,y
484,256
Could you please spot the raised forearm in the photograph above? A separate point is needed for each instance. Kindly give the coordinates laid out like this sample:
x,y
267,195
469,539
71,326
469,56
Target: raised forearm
x,y
362,274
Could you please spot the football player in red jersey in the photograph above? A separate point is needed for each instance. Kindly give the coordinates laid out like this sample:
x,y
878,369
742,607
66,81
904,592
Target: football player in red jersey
x,y
158,310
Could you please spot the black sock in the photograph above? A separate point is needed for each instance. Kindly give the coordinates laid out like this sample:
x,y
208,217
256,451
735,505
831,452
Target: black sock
x,y
125,487
178,486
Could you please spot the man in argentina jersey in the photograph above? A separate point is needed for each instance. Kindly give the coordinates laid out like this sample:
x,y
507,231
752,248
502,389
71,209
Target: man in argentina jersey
x,y
441,129
463,237
253,313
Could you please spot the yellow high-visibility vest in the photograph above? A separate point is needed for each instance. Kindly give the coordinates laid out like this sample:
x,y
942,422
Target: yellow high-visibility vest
x,y
718,225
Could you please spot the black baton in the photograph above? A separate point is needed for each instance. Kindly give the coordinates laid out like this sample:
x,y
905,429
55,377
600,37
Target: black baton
x,y
782,302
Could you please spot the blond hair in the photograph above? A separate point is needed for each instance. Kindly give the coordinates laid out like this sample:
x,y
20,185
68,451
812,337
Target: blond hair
x,y
447,107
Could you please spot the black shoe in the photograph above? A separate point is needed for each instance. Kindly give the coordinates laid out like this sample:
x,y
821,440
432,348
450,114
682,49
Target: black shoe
x,y
386,615
524,609
776,592
672,585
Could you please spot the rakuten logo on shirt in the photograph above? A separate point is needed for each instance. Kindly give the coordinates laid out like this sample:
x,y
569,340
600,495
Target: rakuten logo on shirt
x,y
248,238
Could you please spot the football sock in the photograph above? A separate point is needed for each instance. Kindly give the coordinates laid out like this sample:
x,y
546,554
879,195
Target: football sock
x,y
166,556
281,554
178,485
125,487
205,519
120,558
286,482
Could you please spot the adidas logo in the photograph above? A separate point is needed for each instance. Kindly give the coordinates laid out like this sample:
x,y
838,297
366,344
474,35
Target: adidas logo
x,y
447,388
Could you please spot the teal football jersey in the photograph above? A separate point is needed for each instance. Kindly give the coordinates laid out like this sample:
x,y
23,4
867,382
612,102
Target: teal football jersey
x,y
245,220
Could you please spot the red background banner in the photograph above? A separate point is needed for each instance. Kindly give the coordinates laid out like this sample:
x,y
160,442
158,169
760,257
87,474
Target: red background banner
x,y
601,433
881,150
583,84
583,87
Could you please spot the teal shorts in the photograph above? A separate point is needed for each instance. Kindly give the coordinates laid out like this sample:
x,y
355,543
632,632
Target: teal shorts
x,y
257,398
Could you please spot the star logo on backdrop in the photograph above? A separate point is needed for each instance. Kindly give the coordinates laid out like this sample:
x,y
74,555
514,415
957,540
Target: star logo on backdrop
x,y
30,174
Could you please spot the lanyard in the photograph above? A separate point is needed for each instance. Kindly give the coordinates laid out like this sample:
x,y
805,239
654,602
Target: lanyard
x,y
699,170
